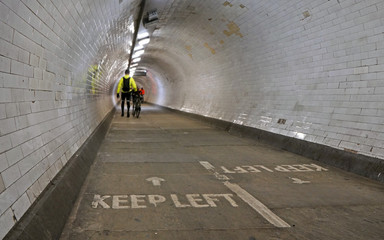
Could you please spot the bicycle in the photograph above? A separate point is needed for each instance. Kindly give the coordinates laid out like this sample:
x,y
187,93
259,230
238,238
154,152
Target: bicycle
x,y
136,106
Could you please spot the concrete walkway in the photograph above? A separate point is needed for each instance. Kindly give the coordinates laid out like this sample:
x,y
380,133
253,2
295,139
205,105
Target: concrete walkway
x,y
165,176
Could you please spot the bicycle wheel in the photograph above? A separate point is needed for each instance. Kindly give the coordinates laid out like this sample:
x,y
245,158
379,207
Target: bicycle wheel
x,y
138,112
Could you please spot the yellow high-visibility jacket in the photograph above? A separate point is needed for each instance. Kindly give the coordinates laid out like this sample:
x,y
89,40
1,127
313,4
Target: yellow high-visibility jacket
x,y
132,84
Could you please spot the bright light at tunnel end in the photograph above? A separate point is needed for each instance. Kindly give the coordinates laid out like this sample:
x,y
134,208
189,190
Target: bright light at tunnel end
x,y
113,96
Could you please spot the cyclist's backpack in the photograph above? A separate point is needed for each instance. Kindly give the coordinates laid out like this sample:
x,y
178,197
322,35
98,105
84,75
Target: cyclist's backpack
x,y
126,84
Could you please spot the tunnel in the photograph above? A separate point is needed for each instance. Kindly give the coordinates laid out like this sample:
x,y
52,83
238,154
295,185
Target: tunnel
x,y
302,76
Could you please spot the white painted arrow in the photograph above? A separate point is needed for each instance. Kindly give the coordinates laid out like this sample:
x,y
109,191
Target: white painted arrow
x,y
299,181
156,181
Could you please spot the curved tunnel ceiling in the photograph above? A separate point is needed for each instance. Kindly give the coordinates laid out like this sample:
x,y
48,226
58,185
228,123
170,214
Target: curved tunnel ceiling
x,y
304,69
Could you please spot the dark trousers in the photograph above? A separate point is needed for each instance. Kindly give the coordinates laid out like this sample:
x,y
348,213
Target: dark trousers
x,y
125,96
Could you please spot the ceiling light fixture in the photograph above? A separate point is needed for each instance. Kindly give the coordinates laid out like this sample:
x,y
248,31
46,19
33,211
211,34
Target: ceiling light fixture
x,y
138,47
138,53
143,35
144,41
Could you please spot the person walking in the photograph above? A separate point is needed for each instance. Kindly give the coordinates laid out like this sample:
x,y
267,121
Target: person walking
x,y
126,85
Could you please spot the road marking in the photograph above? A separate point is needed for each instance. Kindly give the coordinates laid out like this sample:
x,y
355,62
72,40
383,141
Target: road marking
x,y
279,168
98,199
257,205
156,181
155,199
211,168
193,200
299,181
207,165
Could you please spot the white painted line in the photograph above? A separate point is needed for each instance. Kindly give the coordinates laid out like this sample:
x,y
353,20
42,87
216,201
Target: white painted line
x,y
221,177
207,165
211,168
248,198
257,205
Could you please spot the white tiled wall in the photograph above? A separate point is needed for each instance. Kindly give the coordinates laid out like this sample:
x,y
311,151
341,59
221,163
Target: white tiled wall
x,y
318,64
49,101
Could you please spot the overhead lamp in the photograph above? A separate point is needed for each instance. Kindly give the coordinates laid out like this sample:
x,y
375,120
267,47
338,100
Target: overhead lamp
x,y
133,69
144,41
142,35
140,72
134,65
151,18
138,47
152,15
138,53
131,27
135,60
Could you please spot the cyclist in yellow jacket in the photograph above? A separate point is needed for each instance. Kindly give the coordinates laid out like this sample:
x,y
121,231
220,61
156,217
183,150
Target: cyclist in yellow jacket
x,y
126,86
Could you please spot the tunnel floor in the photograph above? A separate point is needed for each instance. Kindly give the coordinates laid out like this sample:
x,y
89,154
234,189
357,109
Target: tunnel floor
x,y
166,176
